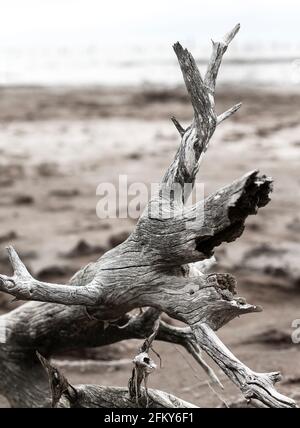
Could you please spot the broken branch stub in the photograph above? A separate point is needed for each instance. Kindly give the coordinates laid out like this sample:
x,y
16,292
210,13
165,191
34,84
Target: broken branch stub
x,y
158,266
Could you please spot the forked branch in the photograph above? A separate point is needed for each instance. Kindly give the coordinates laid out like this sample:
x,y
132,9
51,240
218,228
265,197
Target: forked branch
x,y
196,137
24,287
152,268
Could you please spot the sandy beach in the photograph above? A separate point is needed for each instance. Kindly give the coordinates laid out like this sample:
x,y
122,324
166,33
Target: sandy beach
x,y
57,144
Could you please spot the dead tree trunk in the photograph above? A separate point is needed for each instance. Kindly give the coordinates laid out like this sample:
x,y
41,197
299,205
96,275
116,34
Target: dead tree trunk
x,y
158,266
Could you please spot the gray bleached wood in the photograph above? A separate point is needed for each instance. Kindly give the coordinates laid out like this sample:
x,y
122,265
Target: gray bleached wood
x,y
95,396
155,267
63,394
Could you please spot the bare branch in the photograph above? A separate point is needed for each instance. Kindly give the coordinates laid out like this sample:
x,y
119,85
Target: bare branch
x,y
195,139
179,128
18,266
219,48
195,87
94,396
231,34
24,287
228,113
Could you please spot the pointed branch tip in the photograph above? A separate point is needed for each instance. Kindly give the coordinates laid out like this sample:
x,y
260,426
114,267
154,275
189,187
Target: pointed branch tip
x,y
13,256
231,34
228,113
17,264
275,377
179,128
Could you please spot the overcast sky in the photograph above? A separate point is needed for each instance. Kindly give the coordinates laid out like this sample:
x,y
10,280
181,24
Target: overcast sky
x,y
96,21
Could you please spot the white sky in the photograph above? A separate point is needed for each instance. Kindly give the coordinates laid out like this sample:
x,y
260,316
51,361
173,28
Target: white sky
x,y
98,21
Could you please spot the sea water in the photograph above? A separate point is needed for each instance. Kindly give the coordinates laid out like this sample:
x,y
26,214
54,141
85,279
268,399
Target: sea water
x,y
134,64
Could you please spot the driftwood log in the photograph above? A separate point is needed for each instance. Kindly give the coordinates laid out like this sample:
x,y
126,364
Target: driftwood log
x,y
159,267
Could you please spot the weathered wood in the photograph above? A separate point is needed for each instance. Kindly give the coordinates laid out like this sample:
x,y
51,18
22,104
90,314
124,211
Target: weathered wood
x,y
51,329
158,266
64,394
91,396
256,386
24,287
219,48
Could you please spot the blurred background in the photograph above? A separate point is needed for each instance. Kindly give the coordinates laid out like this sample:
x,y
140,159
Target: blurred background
x,y
87,89
128,43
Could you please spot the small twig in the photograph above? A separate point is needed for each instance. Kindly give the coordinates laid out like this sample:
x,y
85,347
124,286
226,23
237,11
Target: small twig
x,y
148,341
158,356
179,128
59,385
228,113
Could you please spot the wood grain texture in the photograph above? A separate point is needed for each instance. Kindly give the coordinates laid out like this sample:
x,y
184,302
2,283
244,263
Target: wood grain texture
x,y
158,266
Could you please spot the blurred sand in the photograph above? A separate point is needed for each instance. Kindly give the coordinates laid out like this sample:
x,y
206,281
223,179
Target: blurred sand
x,y
58,144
